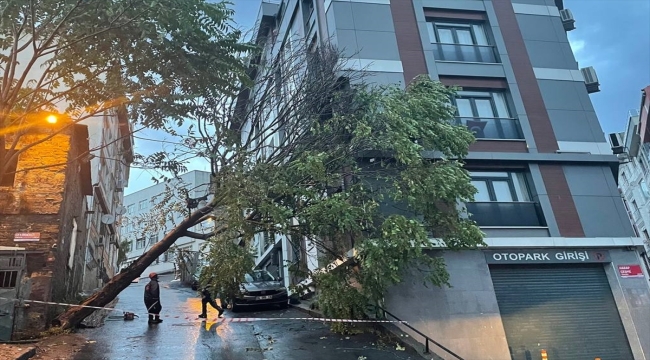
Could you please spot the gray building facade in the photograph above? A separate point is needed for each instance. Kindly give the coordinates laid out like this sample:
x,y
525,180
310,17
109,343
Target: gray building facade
x,y
562,274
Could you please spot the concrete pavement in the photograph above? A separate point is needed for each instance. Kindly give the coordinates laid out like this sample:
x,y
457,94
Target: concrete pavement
x,y
183,336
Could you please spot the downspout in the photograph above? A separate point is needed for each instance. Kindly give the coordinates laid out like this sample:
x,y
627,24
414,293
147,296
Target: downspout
x,y
323,33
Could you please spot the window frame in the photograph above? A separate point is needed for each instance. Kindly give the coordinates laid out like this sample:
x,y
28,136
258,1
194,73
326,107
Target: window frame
x,y
509,177
434,24
140,243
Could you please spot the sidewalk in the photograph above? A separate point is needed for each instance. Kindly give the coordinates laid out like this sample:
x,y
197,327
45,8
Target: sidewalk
x,y
57,347
391,331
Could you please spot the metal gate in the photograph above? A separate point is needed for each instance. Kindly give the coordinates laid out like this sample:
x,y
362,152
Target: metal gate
x,y
11,272
567,311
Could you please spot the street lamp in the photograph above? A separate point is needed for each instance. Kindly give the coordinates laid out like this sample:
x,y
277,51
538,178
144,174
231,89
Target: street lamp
x,y
52,119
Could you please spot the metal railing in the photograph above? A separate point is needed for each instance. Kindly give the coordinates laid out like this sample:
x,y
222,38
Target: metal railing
x,y
465,53
491,128
496,213
427,339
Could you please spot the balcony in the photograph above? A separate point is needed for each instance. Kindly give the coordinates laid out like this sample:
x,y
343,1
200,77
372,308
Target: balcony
x,y
491,128
465,53
506,214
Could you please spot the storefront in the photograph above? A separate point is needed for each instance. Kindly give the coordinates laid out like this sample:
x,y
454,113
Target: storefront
x,y
557,302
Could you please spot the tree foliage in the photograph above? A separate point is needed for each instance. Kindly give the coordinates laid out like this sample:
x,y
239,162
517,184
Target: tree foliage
x,y
308,151
82,58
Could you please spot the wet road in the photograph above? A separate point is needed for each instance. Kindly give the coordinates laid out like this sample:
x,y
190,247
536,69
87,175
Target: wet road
x,y
182,336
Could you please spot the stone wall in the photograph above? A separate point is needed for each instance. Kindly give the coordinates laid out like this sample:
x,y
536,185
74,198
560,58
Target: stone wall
x,y
46,196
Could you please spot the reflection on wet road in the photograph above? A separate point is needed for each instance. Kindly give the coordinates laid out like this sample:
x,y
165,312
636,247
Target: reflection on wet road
x,y
182,336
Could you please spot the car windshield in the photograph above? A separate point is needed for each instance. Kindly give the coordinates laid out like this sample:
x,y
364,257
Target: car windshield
x,y
259,275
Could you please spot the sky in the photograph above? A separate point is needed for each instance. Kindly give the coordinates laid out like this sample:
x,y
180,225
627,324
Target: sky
x,y
613,36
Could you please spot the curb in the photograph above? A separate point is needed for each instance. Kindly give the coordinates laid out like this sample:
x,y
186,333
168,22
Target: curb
x,y
389,330
29,353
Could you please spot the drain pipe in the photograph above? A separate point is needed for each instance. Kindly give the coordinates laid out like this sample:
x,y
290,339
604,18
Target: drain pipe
x,y
321,19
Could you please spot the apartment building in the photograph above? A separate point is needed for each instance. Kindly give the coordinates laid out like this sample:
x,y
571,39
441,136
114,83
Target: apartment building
x,y
111,144
139,205
555,278
634,171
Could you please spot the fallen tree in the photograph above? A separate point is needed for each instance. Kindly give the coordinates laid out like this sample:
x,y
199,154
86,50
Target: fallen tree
x,y
310,152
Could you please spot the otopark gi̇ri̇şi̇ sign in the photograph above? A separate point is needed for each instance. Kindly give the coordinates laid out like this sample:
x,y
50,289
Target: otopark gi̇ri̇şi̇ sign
x,y
544,256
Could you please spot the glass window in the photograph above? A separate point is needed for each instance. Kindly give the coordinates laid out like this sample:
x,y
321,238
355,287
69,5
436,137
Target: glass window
x,y
483,193
258,276
500,186
486,115
502,191
139,243
142,205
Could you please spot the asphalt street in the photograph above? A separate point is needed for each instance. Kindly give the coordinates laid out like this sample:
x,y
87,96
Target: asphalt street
x,y
183,336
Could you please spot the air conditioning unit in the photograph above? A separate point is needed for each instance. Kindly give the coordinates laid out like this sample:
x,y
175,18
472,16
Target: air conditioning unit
x,y
591,79
617,143
567,20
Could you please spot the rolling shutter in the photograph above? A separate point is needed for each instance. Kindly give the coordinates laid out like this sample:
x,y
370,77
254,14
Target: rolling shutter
x,y
569,311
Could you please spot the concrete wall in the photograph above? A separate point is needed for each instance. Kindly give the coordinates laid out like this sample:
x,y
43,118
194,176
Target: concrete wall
x,y
633,299
465,318
598,201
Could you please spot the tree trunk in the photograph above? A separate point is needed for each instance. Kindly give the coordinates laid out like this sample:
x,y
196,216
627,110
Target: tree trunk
x,y
121,281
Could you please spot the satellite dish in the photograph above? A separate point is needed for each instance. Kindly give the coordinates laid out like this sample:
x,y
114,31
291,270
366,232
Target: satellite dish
x,y
108,219
202,203
121,210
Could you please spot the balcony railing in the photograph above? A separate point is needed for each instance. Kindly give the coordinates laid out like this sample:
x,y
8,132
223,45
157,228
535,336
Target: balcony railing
x,y
506,214
465,53
491,128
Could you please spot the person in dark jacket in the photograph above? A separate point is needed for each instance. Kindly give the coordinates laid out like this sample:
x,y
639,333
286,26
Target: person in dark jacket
x,y
206,298
152,299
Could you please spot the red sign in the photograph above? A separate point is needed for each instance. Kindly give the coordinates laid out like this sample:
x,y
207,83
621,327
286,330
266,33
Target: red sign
x,y
630,271
27,236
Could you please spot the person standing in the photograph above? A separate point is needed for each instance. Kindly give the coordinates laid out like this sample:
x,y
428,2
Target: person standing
x,y
206,298
152,299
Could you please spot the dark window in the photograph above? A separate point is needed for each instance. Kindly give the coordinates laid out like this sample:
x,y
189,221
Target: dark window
x,y
10,176
486,114
466,42
503,199
8,278
500,186
139,243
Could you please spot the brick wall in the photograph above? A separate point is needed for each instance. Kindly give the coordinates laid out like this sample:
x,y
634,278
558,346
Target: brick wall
x,y
46,196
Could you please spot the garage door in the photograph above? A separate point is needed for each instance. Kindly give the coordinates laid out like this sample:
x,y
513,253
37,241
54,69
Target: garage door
x,y
569,311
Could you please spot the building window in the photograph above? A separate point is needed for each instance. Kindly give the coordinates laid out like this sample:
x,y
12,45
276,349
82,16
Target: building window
x,y
486,114
8,279
142,205
152,240
130,209
139,243
467,42
646,236
503,199
10,176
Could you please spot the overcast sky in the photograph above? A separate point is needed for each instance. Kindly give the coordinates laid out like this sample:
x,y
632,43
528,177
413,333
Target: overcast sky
x,y
613,36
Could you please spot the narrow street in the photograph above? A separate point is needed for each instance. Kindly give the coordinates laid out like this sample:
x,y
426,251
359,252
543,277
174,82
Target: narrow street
x,y
182,336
